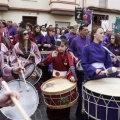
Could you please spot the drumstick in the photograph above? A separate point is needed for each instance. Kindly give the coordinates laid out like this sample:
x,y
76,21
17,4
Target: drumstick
x,y
16,102
28,58
23,76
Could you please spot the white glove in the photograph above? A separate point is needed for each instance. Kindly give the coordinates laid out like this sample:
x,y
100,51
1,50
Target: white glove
x,y
54,54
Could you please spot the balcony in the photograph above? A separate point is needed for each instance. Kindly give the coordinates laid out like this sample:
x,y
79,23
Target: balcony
x,y
63,7
4,5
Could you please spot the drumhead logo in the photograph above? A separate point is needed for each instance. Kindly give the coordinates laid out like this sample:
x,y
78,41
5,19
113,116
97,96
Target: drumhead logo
x,y
57,74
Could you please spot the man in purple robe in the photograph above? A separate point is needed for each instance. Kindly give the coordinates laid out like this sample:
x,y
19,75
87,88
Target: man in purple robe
x,y
71,35
75,50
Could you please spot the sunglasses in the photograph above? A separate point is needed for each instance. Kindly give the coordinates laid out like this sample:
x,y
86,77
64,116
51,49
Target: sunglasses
x,y
25,33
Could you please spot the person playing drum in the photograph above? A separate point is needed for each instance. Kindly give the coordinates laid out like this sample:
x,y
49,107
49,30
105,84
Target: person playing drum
x,y
25,50
5,99
95,59
62,61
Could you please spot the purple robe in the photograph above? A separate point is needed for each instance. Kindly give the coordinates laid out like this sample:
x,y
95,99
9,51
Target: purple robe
x,y
39,39
70,37
94,53
77,45
112,48
12,31
105,41
49,40
17,52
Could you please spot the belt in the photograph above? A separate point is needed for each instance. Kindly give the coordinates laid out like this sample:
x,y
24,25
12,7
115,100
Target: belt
x,y
98,65
57,73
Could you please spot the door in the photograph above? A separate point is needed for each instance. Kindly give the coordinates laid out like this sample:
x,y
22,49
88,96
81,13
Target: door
x,y
32,20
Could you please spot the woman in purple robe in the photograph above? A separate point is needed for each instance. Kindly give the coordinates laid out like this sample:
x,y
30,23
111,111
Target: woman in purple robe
x,y
95,59
25,49
114,47
49,41
38,37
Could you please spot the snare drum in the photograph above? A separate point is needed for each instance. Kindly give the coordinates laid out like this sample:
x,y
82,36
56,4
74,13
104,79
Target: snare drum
x,y
44,54
32,73
59,93
101,99
28,100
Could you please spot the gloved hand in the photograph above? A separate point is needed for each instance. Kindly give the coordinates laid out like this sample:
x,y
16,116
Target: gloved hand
x,y
54,54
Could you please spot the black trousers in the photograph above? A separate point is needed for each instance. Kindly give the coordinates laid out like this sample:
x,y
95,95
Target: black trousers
x,y
58,114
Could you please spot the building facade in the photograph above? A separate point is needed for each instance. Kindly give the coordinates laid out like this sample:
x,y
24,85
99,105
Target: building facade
x,y
59,12
52,12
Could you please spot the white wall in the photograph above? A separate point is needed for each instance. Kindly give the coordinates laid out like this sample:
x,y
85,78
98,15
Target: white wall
x,y
114,4
30,4
42,18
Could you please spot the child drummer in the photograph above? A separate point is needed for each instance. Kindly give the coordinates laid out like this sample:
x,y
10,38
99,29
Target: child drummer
x,y
63,66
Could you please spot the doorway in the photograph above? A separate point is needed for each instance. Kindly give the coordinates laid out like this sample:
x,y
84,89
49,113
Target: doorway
x,y
32,20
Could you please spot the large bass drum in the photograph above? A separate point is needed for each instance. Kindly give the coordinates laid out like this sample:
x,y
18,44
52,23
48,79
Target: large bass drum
x,y
59,93
28,100
101,99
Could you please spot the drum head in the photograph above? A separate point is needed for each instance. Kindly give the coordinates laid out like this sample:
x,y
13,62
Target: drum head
x,y
29,68
28,100
57,85
104,86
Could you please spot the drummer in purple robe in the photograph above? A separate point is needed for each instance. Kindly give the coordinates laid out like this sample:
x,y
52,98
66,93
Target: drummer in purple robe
x,y
71,35
114,47
75,50
95,59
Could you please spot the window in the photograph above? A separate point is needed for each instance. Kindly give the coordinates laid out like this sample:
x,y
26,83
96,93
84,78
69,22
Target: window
x,y
102,3
62,24
97,18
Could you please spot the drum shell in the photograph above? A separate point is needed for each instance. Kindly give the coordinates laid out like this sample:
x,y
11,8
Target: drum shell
x,y
53,99
29,75
100,106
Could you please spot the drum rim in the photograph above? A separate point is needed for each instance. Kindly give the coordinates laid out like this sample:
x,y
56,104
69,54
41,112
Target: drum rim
x,y
39,77
63,106
37,103
56,93
84,89
32,71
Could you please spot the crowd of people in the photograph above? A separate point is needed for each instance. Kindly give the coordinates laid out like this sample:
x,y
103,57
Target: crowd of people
x,y
66,46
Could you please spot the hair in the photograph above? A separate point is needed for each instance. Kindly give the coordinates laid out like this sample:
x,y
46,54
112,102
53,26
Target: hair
x,y
71,27
34,32
82,26
22,24
30,25
64,40
50,29
94,30
22,41
117,39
